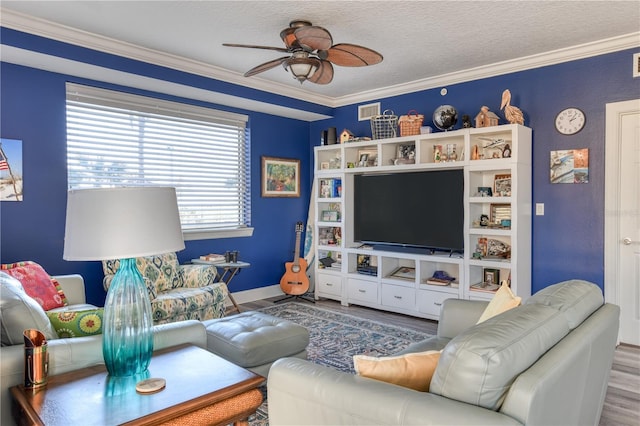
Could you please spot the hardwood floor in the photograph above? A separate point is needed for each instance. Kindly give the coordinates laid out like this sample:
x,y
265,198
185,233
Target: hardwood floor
x,y
622,402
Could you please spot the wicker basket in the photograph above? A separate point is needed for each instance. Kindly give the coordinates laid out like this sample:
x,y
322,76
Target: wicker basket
x,y
384,125
410,124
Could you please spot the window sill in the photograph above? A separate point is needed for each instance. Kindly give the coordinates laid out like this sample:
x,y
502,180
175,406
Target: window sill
x,y
213,234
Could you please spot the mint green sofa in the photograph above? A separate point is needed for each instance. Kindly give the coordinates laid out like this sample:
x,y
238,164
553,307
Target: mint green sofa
x,y
19,312
546,362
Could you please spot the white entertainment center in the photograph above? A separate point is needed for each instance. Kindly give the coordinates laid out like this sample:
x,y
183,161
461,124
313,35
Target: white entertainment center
x,y
498,247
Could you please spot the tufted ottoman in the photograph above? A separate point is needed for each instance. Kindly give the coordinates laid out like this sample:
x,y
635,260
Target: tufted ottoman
x,y
254,340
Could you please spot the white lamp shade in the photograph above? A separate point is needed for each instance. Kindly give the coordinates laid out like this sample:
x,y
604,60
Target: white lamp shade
x,y
119,223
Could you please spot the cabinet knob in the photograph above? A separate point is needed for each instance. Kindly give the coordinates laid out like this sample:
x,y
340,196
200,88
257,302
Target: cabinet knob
x,y
398,297
329,284
362,291
437,304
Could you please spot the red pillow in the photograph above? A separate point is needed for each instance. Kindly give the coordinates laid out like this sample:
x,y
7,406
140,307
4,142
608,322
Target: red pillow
x,y
37,284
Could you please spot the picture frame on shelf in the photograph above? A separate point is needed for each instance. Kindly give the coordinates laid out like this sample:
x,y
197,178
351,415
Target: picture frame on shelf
x,y
502,185
404,273
324,165
280,177
485,191
367,157
491,276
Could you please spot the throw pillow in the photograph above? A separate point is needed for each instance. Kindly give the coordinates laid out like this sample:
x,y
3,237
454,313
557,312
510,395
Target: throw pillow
x,y
19,312
37,284
413,371
76,323
502,301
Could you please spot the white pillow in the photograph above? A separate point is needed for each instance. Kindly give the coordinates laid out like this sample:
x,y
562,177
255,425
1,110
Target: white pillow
x,y
19,312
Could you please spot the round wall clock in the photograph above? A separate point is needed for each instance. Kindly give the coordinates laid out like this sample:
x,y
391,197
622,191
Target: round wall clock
x,y
570,121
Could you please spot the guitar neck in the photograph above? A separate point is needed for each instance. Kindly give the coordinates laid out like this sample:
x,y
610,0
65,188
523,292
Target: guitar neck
x,y
296,257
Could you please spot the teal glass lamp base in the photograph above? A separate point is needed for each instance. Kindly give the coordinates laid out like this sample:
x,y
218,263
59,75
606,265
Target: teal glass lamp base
x,y
127,341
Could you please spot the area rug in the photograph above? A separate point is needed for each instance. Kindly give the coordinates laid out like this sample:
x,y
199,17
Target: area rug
x,y
336,337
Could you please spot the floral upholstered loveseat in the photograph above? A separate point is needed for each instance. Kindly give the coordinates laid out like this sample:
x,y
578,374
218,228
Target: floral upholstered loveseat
x,y
177,292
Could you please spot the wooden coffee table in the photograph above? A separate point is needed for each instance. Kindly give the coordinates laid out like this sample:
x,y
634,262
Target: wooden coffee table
x,y
199,386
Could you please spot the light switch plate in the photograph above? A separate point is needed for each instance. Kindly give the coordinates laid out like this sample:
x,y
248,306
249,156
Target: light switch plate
x,y
539,209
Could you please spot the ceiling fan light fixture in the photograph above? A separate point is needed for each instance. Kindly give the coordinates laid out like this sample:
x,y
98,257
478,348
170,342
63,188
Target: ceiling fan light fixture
x,y
302,68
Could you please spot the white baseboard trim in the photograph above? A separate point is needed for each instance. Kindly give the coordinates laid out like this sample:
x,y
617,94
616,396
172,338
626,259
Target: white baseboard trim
x,y
252,295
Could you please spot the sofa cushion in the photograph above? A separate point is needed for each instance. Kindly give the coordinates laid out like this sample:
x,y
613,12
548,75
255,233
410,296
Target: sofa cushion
x,y
413,371
37,283
77,323
479,365
200,303
19,312
502,301
576,299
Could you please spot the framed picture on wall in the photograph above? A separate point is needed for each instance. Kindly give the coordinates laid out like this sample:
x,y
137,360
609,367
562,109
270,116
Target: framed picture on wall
x,y
10,170
280,177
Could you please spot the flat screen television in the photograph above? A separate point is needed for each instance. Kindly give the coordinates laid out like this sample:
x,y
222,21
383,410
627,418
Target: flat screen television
x,y
422,210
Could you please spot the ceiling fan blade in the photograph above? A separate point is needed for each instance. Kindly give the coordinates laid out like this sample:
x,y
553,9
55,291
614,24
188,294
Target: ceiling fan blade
x,y
323,75
313,38
351,55
266,66
250,46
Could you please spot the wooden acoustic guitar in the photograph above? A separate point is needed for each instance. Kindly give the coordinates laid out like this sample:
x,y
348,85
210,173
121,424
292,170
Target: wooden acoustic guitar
x,y
295,280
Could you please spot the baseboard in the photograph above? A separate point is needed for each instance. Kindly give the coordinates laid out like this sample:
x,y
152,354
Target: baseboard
x,y
252,295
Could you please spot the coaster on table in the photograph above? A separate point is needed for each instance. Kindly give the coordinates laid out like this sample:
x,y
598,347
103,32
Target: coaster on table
x,y
151,385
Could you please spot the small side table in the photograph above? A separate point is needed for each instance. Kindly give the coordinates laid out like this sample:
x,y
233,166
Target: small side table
x,y
229,270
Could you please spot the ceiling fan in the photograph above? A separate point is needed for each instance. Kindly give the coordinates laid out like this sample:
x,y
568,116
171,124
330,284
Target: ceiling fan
x,y
312,53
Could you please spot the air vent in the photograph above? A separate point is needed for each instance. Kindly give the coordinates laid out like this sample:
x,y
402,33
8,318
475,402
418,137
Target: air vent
x,y
365,112
636,65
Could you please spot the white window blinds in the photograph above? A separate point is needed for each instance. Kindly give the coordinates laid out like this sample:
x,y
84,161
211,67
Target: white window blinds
x,y
119,139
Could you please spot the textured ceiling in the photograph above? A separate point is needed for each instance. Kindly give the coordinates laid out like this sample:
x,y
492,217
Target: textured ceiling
x,y
418,39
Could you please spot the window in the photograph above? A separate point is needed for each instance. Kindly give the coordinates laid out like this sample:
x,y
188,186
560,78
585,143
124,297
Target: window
x,y
119,139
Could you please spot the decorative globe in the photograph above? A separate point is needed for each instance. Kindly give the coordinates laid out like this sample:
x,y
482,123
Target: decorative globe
x,y
445,117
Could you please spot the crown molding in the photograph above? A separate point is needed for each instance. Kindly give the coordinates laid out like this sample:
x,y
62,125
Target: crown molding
x,y
614,44
29,58
40,27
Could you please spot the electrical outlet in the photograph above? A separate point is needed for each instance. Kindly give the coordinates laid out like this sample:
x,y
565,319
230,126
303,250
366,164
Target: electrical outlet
x,y
539,209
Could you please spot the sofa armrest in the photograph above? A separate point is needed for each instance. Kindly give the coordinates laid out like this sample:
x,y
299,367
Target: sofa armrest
x,y
303,393
457,315
195,276
178,333
73,288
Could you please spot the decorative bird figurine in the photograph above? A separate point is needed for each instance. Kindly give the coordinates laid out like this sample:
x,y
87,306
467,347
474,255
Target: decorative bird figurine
x,y
511,113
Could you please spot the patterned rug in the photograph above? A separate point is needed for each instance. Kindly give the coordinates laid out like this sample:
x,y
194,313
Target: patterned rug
x,y
336,337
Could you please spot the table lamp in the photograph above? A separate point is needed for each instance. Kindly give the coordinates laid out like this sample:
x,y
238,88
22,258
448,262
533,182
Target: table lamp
x,y
124,223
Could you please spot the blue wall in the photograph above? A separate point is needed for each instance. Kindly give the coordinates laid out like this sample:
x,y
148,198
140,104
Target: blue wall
x,y
32,105
567,242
